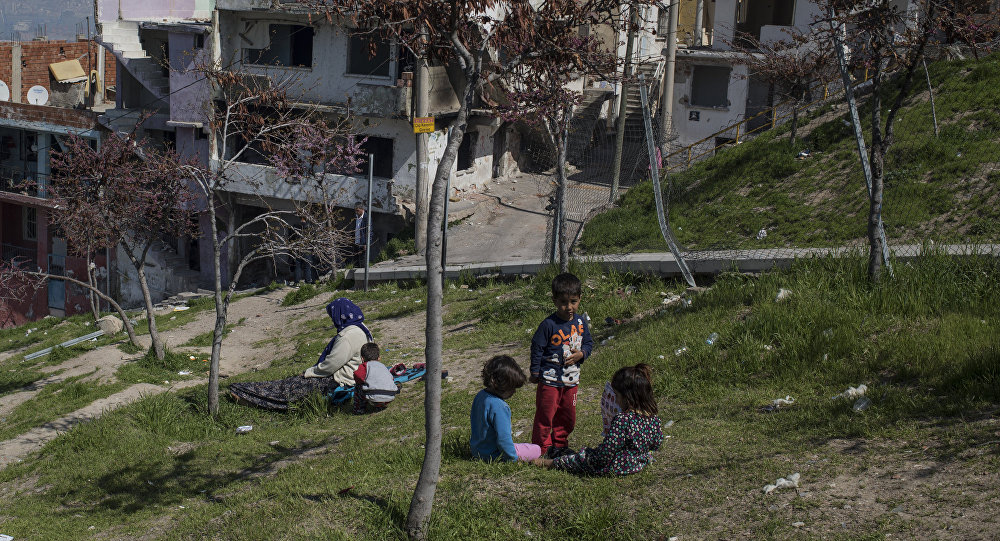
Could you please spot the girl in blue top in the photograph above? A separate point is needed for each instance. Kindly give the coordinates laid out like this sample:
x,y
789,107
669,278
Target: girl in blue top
x,y
491,431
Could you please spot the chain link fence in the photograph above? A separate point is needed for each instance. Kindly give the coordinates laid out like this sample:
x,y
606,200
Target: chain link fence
x,y
765,198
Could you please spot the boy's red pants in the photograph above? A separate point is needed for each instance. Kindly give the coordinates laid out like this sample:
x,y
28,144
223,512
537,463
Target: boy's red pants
x,y
555,416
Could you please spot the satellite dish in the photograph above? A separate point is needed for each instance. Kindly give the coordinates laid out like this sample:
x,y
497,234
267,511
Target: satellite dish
x,y
4,92
37,95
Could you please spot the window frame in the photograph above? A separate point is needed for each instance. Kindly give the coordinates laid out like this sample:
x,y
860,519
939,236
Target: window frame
x,y
29,223
291,52
386,79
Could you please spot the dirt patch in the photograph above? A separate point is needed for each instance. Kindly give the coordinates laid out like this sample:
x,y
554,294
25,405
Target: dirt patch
x,y
242,350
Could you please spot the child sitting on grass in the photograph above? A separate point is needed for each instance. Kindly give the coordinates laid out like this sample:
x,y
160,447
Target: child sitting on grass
x,y
374,386
634,433
491,438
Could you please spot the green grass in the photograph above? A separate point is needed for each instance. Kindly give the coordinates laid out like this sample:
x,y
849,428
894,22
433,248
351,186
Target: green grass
x,y
52,402
942,188
149,369
923,341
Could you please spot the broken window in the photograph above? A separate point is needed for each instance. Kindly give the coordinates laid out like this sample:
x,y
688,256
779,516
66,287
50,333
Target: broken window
x,y
710,86
381,147
751,15
29,223
291,45
466,155
368,56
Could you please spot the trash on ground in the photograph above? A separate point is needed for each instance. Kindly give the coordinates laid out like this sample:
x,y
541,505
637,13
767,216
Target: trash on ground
x,y
612,321
518,433
680,351
660,357
181,308
184,373
792,481
862,404
191,357
803,154
768,347
712,338
244,429
672,299
783,294
762,234
777,404
273,443
852,392
669,423
6,537
798,524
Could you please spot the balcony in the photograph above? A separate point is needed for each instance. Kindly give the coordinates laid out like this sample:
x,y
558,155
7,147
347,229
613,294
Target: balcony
x,y
24,258
21,182
261,181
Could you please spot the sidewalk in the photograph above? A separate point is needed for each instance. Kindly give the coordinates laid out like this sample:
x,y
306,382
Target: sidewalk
x,y
664,264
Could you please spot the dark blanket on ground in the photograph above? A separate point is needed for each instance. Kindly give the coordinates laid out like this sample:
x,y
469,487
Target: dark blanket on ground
x,y
279,394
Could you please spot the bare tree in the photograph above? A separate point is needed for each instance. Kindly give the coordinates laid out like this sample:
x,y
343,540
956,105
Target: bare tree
x,y
254,118
126,194
483,40
791,66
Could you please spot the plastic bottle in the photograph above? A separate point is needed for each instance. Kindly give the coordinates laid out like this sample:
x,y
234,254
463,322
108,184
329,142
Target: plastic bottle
x,y
712,338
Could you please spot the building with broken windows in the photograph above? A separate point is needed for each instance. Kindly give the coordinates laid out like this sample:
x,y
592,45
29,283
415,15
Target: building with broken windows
x,y
333,72
48,90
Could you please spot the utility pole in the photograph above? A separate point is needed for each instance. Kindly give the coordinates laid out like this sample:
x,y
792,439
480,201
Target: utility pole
x,y
667,85
422,97
616,170
699,18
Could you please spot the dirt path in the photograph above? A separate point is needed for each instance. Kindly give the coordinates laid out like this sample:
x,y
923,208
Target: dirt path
x,y
245,348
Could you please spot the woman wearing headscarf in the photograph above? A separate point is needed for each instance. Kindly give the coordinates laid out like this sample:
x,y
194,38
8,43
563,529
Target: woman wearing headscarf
x,y
335,367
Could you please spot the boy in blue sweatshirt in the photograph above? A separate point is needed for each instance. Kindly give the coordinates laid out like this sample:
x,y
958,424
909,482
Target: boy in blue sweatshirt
x,y
560,345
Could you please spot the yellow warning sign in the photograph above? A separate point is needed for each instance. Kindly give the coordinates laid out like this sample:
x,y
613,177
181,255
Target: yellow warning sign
x,y
423,124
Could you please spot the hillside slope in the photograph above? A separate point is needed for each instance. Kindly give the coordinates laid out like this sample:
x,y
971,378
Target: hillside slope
x,y
941,188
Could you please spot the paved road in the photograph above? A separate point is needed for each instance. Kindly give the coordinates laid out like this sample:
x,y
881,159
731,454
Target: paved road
x,y
508,221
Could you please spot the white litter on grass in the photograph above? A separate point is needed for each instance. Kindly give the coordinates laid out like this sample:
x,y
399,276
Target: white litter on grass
x,y
862,404
798,524
518,433
181,308
680,351
852,392
787,401
418,301
6,537
762,234
661,357
783,294
244,429
191,357
791,482
672,299
668,424
184,373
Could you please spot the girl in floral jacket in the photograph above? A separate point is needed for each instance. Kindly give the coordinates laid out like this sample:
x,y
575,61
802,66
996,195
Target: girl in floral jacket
x,y
634,433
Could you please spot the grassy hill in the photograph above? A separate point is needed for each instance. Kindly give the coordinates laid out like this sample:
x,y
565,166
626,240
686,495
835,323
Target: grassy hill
x,y
921,462
945,188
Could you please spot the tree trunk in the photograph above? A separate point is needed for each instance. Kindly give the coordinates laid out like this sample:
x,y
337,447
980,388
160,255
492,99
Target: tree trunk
x,y
220,315
875,238
154,334
562,237
795,123
422,502
92,280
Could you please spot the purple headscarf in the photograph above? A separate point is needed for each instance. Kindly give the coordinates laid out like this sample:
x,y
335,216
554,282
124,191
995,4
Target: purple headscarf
x,y
345,313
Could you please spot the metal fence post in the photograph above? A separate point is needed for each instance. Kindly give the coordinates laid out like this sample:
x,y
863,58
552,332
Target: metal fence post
x,y
368,228
654,169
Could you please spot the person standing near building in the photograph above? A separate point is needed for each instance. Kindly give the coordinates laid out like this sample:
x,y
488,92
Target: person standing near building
x,y
361,235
